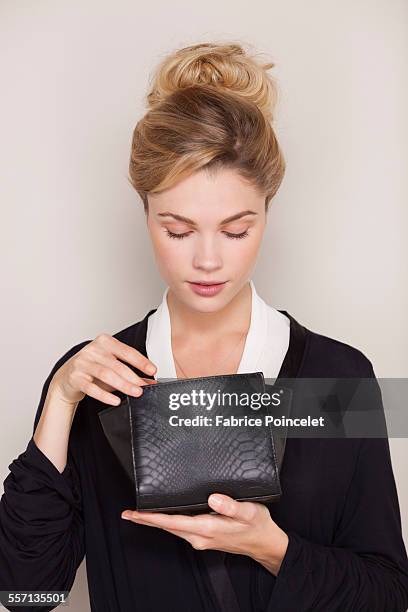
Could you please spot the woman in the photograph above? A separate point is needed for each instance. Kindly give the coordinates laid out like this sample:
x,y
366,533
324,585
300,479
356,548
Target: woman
x,y
206,163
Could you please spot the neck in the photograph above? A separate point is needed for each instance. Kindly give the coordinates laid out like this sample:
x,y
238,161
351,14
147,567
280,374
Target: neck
x,y
234,317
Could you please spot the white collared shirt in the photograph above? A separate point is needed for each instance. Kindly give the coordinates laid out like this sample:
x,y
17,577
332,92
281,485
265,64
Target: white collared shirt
x,y
265,348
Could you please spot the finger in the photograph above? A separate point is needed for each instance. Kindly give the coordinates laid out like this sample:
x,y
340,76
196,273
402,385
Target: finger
x,y
197,525
227,506
109,376
129,355
150,381
93,390
180,534
122,370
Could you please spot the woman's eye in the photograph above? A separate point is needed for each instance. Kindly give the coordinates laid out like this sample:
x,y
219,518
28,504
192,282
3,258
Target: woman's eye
x,y
241,235
179,236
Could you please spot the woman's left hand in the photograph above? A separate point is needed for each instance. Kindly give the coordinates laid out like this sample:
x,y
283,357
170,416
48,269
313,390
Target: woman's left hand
x,y
239,527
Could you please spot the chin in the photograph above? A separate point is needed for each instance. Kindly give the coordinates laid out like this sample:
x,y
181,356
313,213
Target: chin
x,y
208,305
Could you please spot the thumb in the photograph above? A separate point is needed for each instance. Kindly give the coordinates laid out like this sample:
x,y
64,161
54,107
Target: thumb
x,y
223,504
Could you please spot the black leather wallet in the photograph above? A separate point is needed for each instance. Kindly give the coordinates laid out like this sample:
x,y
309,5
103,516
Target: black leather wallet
x,y
184,439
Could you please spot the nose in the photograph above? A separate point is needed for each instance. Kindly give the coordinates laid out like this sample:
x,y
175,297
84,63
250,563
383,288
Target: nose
x,y
206,254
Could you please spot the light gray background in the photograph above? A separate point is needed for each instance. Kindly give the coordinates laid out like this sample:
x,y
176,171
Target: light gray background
x,y
76,259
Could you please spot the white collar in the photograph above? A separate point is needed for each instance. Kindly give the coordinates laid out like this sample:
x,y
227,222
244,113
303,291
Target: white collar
x,y
265,348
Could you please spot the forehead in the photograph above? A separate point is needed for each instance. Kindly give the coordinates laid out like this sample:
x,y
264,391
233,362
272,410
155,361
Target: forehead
x,y
203,194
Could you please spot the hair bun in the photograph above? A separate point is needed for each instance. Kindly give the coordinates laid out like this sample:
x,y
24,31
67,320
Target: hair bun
x,y
226,66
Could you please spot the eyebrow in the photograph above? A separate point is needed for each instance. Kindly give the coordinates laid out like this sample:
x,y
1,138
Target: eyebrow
x,y
191,222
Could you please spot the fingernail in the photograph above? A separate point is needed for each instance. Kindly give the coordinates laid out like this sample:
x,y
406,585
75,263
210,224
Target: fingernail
x,y
150,369
216,500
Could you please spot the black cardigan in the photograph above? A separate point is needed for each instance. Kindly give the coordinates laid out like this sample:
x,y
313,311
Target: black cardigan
x,y
339,508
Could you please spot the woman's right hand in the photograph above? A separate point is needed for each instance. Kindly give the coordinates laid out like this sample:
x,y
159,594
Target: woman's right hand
x,y
95,370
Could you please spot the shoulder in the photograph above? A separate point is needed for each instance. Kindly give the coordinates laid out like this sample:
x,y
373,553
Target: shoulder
x,y
328,356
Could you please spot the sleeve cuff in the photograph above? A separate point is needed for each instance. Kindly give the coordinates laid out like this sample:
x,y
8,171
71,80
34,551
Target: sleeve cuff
x,y
35,456
293,556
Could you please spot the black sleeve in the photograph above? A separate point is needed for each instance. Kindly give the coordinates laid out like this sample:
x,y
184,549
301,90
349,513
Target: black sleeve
x,y
41,522
366,567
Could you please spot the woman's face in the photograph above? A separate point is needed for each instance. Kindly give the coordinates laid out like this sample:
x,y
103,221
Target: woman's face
x,y
207,228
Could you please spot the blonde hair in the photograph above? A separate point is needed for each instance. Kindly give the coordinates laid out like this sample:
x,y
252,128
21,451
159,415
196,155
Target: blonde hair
x,y
210,105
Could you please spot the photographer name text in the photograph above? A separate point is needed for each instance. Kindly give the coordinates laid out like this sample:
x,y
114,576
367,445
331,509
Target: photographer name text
x,y
245,421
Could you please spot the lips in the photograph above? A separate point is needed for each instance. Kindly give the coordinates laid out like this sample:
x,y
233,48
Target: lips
x,y
207,288
207,282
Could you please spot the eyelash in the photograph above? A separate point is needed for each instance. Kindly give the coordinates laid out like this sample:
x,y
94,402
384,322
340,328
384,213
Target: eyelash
x,y
233,236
